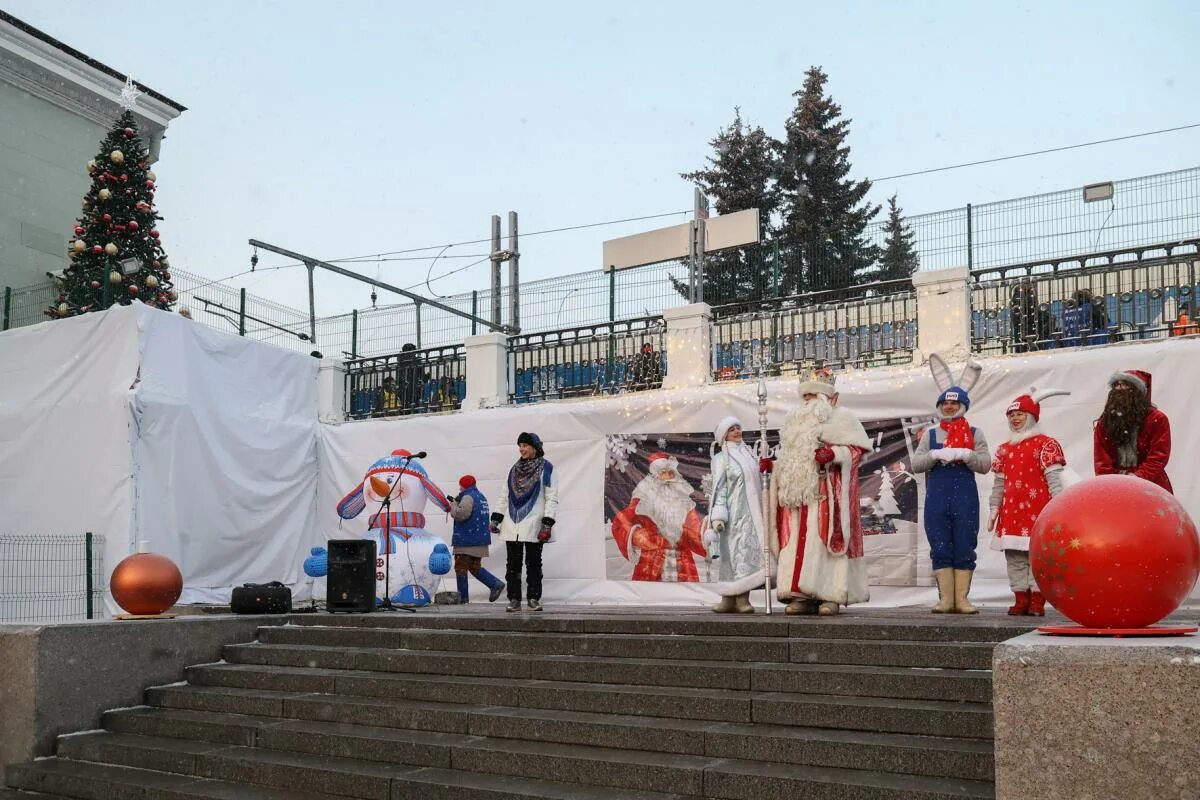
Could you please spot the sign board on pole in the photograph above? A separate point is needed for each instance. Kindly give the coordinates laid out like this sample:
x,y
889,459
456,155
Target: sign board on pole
x,y
673,243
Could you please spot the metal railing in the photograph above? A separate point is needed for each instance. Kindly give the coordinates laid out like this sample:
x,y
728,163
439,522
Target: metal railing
x,y
875,327
410,382
609,358
1130,294
47,578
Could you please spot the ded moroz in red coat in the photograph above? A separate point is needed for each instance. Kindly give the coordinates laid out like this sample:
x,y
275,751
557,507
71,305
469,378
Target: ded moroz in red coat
x,y
1153,441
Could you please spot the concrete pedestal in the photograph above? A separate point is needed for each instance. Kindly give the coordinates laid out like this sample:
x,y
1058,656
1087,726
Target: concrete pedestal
x,y
57,679
1096,718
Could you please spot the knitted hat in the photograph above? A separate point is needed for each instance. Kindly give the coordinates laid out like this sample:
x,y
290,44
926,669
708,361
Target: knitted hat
x,y
821,381
1027,404
957,394
661,462
531,439
1134,377
723,428
466,481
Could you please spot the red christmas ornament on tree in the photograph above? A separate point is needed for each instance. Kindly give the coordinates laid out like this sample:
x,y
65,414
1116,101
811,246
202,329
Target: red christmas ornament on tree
x,y
154,233
97,249
130,132
133,290
79,230
1115,551
107,217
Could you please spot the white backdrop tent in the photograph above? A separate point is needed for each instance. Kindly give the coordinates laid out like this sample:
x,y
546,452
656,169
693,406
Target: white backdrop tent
x,y
143,426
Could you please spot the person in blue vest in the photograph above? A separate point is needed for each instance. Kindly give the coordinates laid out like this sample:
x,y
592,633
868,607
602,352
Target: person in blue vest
x,y
472,539
952,452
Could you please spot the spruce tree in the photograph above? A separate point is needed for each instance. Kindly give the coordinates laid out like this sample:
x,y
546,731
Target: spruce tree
x,y
825,214
740,174
899,259
116,256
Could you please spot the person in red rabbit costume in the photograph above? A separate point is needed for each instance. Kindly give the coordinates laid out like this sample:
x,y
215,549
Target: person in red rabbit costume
x,y
1132,436
1029,472
662,525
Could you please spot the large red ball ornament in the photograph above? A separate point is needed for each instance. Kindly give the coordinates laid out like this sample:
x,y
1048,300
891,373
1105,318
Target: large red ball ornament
x,y
107,217
97,249
133,290
79,230
146,583
129,131
1115,551
154,233
132,225
150,185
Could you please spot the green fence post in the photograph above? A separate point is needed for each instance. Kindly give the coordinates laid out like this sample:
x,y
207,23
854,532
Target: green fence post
x,y
87,554
7,307
354,333
970,242
474,311
610,371
417,307
242,313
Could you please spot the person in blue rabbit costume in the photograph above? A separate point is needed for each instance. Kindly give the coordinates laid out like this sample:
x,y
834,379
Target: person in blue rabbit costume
x,y
472,539
416,558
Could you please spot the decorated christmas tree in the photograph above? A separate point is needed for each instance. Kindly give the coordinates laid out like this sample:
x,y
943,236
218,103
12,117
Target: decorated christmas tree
x,y
115,255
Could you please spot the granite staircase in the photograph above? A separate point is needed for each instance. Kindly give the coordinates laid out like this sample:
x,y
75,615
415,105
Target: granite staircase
x,y
474,705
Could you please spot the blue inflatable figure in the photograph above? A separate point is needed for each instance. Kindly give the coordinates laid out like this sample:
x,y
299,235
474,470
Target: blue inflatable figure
x,y
407,554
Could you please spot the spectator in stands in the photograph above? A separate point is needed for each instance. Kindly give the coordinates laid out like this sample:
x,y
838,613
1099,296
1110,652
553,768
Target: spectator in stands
x,y
412,378
1029,324
1084,320
1185,323
647,369
387,398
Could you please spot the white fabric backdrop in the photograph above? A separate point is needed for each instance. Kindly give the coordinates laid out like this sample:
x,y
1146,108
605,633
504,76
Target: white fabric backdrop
x,y
483,443
235,478
225,455
143,426
65,428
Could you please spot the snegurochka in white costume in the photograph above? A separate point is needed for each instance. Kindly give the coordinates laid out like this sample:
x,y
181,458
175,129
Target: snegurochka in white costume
x,y
816,501
736,518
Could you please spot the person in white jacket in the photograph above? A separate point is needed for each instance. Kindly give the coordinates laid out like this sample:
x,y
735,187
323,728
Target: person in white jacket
x,y
524,517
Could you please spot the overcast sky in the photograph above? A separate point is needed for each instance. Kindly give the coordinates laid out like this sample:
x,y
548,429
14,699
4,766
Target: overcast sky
x,y
342,129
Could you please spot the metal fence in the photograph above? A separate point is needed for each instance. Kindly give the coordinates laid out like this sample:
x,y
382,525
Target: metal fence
x,y
1100,298
792,335
609,358
46,578
1142,211
410,382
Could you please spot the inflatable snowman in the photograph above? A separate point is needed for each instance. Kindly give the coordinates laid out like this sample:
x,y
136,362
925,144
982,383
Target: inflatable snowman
x,y
409,558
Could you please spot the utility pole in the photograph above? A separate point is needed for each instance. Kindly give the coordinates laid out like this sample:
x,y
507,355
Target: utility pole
x,y
514,273
497,260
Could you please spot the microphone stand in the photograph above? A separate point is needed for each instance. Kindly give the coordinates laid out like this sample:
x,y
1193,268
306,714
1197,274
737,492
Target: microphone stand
x,y
386,508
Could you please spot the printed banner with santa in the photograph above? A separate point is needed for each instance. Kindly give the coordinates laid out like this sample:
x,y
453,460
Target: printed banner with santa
x,y
656,489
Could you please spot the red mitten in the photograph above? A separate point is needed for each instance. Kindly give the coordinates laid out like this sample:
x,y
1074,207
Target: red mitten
x,y
766,465
823,455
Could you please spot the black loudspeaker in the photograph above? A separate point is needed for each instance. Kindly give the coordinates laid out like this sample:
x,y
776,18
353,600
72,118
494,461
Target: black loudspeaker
x,y
351,583
261,598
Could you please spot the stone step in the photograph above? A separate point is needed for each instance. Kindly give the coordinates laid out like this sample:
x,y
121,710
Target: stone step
x,y
869,652
927,683
921,627
918,755
702,648
885,715
18,794
592,766
90,781
740,649
234,688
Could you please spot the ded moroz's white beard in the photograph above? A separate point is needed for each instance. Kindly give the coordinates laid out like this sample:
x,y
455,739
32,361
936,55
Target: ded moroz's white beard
x,y
796,472
666,502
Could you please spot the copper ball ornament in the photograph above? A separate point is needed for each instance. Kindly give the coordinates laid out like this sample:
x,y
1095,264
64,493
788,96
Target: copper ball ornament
x,y
110,249
146,583
104,194
117,156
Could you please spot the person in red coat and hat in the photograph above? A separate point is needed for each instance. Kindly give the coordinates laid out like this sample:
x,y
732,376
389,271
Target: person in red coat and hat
x,y
661,525
1028,473
1132,436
